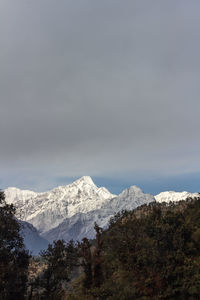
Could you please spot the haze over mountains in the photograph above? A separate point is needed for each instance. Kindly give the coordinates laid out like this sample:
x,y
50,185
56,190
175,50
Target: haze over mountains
x,y
69,212
32,239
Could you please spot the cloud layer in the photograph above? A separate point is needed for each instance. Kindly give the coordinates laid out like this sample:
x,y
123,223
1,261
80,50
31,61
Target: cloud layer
x,y
99,88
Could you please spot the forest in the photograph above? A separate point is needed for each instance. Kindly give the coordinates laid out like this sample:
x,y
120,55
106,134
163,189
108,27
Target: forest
x,y
152,252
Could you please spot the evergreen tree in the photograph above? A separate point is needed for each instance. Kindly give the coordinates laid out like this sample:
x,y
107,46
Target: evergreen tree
x,y
86,257
97,258
14,259
60,259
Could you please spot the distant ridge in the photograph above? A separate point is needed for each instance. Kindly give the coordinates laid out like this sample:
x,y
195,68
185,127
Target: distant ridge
x,y
172,196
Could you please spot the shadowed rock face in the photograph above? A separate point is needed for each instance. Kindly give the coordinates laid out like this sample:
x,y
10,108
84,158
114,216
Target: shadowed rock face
x,y
32,239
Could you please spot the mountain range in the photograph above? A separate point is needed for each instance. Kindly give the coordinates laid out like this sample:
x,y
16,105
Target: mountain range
x,y
69,212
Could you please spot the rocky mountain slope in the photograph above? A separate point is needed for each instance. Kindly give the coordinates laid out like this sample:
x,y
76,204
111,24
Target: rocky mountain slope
x,y
32,240
47,210
82,224
70,211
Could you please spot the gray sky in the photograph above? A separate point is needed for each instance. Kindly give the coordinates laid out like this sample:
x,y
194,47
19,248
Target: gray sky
x,y
100,88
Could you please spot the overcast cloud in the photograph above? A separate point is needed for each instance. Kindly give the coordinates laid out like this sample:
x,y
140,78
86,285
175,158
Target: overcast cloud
x,y
98,88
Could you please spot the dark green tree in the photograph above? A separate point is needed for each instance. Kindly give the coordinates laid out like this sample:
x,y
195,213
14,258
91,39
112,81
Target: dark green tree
x,y
14,259
86,262
97,257
60,259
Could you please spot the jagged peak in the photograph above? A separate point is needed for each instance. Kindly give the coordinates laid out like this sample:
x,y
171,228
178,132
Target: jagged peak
x,y
84,180
132,189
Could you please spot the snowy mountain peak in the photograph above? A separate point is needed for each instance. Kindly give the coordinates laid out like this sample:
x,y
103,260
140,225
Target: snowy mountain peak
x,y
172,196
84,180
82,224
130,199
14,194
47,210
69,212
133,190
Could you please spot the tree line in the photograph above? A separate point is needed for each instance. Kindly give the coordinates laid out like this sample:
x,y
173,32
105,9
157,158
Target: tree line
x,y
152,252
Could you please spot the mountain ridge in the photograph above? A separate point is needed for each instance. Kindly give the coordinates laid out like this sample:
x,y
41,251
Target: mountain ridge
x,y
69,212
48,209
172,196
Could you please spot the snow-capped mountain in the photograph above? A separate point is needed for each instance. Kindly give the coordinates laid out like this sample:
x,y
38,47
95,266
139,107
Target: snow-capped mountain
x,y
15,195
171,196
82,224
47,210
70,211
128,200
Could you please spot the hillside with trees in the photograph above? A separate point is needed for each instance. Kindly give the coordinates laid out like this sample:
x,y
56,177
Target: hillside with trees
x,y
152,252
